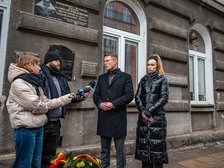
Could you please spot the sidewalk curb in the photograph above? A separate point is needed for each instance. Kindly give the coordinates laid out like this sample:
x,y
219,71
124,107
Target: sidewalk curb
x,y
196,138
181,142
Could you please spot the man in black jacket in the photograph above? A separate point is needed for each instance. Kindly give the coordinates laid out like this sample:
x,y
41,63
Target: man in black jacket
x,y
55,85
113,92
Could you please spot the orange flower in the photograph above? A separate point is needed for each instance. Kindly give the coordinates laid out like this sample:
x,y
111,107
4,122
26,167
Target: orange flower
x,y
59,159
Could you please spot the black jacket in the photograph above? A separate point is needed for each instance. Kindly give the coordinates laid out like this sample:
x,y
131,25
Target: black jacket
x,y
113,123
51,92
151,96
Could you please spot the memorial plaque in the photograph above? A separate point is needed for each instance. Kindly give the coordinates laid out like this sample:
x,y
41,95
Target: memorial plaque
x,y
67,57
62,11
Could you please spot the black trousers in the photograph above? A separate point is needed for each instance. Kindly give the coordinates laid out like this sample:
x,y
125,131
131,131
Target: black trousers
x,y
105,152
151,165
51,140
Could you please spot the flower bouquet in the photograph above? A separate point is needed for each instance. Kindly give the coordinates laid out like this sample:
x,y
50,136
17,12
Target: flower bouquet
x,y
71,160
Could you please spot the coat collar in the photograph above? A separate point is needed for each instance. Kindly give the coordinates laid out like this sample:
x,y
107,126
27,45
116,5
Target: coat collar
x,y
117,76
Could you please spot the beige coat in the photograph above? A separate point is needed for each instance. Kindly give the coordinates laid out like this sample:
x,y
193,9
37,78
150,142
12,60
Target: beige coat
x,y
25,107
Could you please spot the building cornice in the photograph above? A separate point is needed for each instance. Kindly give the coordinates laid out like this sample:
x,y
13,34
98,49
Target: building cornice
x,y
212,5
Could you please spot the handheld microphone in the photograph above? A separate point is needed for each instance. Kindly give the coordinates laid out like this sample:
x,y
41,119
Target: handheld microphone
x,y
88,88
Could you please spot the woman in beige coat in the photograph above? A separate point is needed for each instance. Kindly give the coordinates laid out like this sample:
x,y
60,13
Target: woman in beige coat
x,y
27,106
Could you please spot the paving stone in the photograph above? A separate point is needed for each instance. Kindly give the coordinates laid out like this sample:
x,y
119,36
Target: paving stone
x,y
174,166
194,164
213,161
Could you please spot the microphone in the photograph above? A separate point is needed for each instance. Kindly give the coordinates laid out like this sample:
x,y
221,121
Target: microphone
x,y
88,88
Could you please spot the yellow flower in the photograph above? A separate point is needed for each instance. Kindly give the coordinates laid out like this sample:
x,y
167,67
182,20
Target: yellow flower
x,y
98,160
74,158
80,164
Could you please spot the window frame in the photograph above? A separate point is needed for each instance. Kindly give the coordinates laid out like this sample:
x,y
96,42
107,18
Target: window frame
x,y
196,55
204,33
122,38
141,39
5,7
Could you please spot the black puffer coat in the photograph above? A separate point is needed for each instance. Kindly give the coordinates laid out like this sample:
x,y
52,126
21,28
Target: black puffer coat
x,y
151,96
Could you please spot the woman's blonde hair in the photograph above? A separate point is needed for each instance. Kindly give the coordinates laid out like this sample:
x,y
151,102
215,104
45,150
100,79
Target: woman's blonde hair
x,y
25,59
159,63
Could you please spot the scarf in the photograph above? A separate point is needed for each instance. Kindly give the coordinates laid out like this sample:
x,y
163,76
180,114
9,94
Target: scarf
x,y
111,75
32,79
47,75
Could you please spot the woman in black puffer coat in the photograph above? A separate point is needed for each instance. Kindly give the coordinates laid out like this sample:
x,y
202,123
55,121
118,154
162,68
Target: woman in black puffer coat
x,y
151,96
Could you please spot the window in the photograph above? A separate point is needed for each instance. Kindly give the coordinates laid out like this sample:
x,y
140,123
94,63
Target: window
x,y
196,42
4,19
200,66
197,76
125,36
120,16
131,53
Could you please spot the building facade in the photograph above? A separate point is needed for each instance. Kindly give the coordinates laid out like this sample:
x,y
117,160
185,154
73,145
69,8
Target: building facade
x,y
187,34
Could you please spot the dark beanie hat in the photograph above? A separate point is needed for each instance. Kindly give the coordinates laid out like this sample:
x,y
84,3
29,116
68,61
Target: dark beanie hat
x,y
50,56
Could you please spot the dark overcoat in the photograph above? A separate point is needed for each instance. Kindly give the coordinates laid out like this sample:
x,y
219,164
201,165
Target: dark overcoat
x,y
113,123
152,94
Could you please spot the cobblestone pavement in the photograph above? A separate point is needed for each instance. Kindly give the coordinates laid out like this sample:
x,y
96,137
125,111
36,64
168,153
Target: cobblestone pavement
x,y
202,157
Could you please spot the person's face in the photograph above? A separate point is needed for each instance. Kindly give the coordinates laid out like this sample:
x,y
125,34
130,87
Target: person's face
x,y
55,65
152,65
35,68
110,63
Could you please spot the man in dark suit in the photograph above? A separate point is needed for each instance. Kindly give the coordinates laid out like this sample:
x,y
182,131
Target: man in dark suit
x,y
113,92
